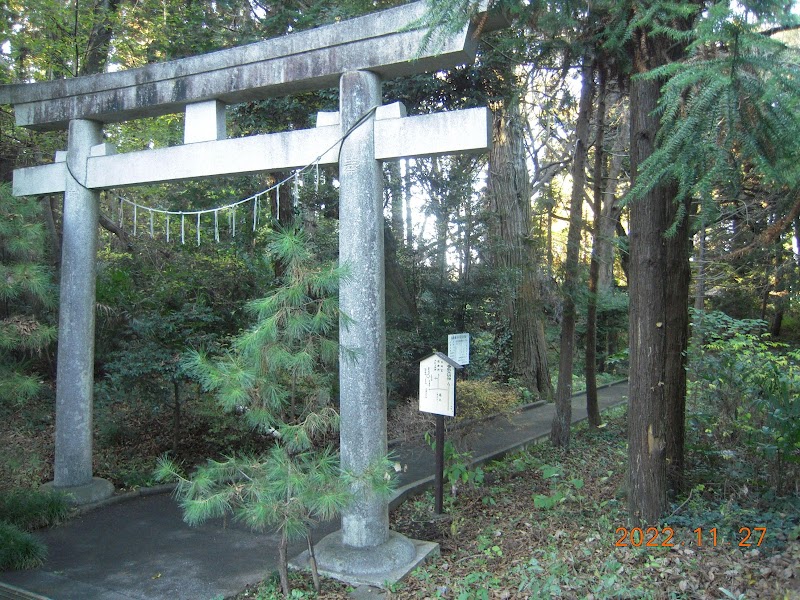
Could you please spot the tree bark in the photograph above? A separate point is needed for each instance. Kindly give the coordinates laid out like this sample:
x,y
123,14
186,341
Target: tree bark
x,y
678,277
118,231
441,210
657,314
283,565
611,209
394,189
513,252
647,486
96,55
560,430
54,234
700,283
409,241
282,205
592,407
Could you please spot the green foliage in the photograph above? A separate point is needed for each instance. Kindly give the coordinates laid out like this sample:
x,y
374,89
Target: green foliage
x,y
484,397
277,491
279,373
19,549
281,370
457,469
27,297
561,490
157,301
30,509
731,109
20,511
745,388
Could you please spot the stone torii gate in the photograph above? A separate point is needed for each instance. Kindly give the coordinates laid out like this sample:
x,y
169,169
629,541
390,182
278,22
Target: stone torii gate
x,y
357,54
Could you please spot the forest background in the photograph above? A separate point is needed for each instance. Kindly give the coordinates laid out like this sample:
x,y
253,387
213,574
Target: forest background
x,y
646,159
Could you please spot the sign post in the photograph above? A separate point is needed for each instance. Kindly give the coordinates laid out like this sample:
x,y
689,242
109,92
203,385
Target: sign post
x,y
437,395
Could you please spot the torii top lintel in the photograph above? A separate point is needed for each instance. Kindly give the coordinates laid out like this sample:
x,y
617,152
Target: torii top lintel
x,y
387,42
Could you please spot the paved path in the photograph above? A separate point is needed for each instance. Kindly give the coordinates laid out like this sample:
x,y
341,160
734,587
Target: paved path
x,y
141,549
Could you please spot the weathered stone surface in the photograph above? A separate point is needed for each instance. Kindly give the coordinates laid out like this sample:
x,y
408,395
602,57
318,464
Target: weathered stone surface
x,y
453,132
96,490
204,122
297,62
377,566
395,137
362,371
75,371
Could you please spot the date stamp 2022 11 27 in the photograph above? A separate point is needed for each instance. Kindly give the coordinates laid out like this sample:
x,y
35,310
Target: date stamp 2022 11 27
x,y
665,537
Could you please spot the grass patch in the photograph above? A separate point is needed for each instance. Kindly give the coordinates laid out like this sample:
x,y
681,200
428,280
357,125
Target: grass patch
x,y
19,549
30,509
22,510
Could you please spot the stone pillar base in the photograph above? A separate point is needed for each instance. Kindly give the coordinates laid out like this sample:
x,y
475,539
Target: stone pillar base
x,y
78,495
378,566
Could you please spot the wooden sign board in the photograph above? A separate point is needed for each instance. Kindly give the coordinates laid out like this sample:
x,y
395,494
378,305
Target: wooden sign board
x,y
437,385
458,347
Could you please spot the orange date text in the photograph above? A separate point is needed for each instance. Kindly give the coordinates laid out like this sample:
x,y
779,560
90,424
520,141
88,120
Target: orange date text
x,y
664,537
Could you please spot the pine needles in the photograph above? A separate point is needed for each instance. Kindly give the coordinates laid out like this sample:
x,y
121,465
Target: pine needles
x,y
280,375
27,293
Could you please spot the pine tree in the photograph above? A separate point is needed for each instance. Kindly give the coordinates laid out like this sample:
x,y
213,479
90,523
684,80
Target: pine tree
x,y
27,294
280,374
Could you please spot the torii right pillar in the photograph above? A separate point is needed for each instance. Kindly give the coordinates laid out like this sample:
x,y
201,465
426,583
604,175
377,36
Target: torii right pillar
x,y
364,550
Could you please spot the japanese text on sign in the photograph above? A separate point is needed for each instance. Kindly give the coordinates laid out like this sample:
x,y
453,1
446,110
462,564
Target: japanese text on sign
x,y
458,347
437,386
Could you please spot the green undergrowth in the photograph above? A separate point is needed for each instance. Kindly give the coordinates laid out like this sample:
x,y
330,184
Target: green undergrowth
x,y
545,523
548,524
20,512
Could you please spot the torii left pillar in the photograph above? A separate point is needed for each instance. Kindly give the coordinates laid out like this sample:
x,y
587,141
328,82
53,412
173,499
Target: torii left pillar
x,y
76,323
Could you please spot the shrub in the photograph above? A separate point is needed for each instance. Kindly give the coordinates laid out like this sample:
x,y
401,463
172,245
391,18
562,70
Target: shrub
x,y
482,398
745,387
19,549
31,509
22,510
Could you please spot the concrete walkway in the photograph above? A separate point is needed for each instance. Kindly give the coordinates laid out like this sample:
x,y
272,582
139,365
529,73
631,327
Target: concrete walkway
x,y
141,549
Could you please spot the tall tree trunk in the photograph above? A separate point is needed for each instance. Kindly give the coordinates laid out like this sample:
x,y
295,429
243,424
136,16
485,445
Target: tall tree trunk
x,y
657,314
466,258
647,485
550,240
783,264
560,430
610,213
513,251
96,54
407,204
611,209
394,188
678,278
282,204
592,407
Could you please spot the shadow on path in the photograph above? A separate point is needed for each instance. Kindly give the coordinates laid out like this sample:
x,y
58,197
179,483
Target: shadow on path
x,y
141,548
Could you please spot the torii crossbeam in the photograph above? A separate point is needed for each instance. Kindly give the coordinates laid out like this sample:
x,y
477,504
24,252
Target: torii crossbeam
x,y
357,54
